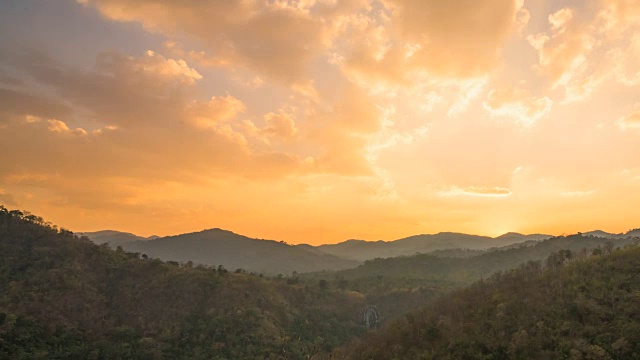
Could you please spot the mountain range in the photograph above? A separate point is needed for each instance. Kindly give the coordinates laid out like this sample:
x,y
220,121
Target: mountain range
x,y
63,297
234,251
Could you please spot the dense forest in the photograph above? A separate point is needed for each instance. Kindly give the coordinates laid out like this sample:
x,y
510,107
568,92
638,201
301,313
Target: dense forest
x,y
63,297
565,308
399,284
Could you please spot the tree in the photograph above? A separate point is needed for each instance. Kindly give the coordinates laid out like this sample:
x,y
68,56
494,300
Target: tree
x,y
323,284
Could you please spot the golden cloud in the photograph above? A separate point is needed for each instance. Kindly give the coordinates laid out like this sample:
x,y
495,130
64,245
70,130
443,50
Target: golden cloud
x,y
274,38
281,125
630,121
62,128
451,39
218,110
563,51
517,104
476,191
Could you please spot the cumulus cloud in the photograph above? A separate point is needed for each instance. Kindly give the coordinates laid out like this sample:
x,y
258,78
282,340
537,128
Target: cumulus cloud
x,y
281,125
563,50
61,128
218,110
517,104
584,47
275,38
451,39
143,122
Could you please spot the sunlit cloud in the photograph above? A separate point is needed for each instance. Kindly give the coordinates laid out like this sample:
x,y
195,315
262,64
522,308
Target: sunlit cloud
x,y
517,104
320,120
630,121
476,191
62,128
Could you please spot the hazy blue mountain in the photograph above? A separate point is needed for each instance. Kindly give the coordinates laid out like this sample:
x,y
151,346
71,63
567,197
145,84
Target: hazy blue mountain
x,y
602,234
522,237
233,251
460,269
114,238
365,250
633,233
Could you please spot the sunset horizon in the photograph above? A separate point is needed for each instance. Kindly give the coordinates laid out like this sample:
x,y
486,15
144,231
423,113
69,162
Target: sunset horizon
x,y
318,121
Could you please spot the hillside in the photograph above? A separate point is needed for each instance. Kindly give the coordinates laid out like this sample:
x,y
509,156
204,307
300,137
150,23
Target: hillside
x,y
471,268
113,238
586,309
233,251
397,285
366,250
63,297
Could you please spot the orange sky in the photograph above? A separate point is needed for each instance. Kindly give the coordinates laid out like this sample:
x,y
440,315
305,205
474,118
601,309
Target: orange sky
x,y
321,120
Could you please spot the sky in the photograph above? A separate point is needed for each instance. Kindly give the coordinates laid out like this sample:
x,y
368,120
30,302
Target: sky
x,y
317,121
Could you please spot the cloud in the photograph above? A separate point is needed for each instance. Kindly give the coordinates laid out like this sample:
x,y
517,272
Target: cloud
x,y
16,103
342,132
563,50
630,121
169,68
141,117
476,191
517,104
625,61
218,110
281,125
274,38
6,198
459,39
577,193
62,128
583,47
120,90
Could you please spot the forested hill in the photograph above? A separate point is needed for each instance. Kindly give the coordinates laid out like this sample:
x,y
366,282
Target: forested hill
x,y
366,250
463,270
114,238
578,309
396,285
217,246
63,297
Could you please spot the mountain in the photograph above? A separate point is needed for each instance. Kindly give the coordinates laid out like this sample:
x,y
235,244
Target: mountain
x,y
63,297
365,250
233,251
517,237
470,268
397,285
579,309
602,234
113,238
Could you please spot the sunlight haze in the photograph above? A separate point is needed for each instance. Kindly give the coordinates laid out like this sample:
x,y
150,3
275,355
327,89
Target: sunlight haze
x,y
317,121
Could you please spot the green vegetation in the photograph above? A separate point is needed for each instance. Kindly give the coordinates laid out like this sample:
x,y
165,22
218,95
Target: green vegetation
x,y
400,284
217,246
366,250
573,308
63,297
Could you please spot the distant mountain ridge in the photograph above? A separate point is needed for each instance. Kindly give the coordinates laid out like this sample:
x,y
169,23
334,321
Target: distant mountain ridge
x,y
113,237
365,250
222,247
234,251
